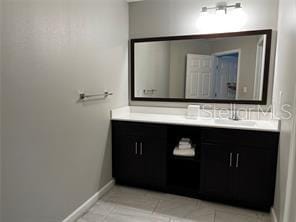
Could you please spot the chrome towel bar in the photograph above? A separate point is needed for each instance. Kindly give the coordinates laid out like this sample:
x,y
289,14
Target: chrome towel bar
x,y
83,96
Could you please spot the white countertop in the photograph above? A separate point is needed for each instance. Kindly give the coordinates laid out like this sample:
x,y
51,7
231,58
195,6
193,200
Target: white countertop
x,y
177,118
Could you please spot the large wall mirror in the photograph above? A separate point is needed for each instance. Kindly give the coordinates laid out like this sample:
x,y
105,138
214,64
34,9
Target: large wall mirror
x,y
215,68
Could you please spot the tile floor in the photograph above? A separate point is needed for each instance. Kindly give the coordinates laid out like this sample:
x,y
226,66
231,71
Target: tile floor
x,y
123,204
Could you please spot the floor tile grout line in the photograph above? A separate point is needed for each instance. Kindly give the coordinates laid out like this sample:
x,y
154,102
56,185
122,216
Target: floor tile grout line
x,y
258,217
156,206
198,204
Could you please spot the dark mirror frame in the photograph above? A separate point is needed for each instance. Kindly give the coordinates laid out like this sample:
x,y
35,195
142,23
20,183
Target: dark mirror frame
x,y
263,101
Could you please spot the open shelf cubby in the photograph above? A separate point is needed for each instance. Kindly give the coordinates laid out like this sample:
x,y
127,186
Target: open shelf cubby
x,y
183,172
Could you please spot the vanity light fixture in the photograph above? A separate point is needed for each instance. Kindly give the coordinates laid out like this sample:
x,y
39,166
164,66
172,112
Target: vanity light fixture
x,y
221,8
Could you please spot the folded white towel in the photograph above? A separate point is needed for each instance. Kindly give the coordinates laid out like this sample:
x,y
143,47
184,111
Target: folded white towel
x,y
184,152
184,146
185,141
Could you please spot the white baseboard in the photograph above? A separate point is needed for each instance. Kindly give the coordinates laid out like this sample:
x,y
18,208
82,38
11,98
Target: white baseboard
x,y
273,216
89,203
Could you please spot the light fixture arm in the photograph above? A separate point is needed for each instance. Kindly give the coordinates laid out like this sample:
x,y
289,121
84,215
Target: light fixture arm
x,y
222,6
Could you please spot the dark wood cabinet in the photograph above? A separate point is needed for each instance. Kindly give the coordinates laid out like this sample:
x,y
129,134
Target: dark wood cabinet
x,y
140,155
129,158
240,170
154,160
216,178
254,171
231,166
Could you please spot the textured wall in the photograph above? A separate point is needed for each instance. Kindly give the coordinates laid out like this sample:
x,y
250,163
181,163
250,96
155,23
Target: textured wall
x,y
0,110
285,82
57,152
174,17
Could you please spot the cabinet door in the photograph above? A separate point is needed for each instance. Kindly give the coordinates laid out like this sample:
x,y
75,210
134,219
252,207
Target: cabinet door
x,y
216,172
254,176
153,152
129,166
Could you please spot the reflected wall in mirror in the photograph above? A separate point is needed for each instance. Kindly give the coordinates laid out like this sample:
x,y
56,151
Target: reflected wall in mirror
x,y
228,68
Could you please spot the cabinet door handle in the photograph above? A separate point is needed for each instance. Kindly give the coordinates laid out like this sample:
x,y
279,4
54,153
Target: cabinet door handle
x,y
237,160
141,148
230,159
136,148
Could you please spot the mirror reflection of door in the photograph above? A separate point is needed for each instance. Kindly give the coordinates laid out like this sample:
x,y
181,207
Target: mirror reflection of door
x,y
212,76
226,75
259,72
199,76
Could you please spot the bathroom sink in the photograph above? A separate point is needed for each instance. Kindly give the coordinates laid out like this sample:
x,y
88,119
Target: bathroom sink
x,y
235,123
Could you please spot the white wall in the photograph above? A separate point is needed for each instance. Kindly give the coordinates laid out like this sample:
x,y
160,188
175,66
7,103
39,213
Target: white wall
x,y
152,63
292,213
57,152
285,82
0,110
174,17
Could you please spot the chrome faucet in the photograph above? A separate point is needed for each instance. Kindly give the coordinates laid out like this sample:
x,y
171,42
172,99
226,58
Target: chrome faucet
x,y
234,115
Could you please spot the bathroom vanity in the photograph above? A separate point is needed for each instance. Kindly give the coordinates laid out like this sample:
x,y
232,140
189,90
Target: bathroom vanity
x,y
235,162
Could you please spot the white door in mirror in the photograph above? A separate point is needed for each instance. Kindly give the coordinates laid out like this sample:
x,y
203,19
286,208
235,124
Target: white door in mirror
x,y
199,76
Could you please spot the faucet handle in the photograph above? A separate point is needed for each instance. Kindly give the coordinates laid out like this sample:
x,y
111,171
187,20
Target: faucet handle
x,y
234,115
